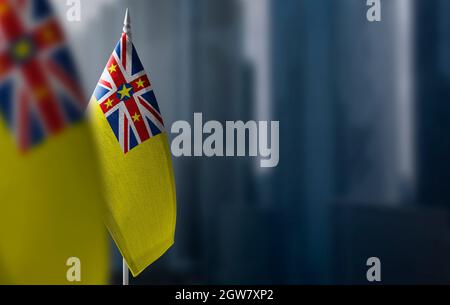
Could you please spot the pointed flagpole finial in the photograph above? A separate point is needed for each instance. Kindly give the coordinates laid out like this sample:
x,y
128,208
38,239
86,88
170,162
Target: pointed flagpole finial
x,y
127,24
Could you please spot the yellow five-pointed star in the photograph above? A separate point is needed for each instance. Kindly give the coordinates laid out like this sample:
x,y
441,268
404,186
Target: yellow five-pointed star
x,y
49,35
108,103
112,68
136,117
140,83
22,49
3,9
40,93
125,92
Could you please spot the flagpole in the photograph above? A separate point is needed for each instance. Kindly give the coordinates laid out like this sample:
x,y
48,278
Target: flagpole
x,y
125,269
125,273
127,24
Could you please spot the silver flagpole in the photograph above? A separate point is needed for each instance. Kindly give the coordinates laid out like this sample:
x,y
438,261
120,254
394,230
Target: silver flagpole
x,y
125,273
127,24
125,269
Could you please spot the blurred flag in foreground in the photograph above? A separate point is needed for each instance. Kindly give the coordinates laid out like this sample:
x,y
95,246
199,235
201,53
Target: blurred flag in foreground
x,y
135,158
50,202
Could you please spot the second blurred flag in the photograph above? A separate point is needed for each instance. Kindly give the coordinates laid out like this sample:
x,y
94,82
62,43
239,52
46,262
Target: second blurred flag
x,y
51,195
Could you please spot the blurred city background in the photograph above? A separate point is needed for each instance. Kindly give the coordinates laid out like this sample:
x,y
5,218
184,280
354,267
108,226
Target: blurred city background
x,y
364,111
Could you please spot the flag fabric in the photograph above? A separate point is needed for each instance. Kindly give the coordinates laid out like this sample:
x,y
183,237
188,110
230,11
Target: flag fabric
x,y
135,159
50,208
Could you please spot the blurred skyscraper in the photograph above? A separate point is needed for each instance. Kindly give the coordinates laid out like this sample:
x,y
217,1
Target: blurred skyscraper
x,y
372,85
433,107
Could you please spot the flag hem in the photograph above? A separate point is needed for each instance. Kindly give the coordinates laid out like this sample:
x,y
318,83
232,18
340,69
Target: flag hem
x,y
152,255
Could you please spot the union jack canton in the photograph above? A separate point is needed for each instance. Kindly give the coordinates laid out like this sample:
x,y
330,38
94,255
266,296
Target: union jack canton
x,y
125,96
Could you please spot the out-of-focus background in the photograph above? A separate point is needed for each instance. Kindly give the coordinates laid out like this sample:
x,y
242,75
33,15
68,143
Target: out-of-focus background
x,y
364,111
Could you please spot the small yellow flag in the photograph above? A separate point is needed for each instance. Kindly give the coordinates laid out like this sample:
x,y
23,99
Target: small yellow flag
x,y
135,160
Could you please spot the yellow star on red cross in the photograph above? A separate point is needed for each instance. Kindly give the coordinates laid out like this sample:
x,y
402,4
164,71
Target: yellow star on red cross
x,y
136,117
140,83
109,103
112,68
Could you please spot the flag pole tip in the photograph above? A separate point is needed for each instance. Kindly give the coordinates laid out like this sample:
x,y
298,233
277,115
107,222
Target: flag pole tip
x,y
127,22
